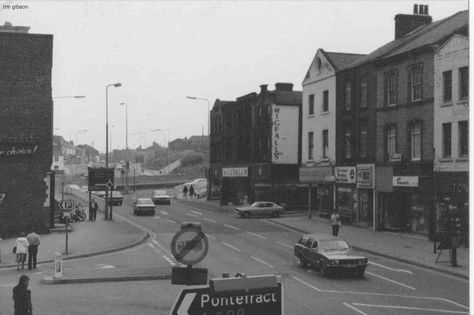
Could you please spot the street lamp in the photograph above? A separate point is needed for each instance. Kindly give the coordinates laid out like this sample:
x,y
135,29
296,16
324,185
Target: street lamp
x,y
208,113
107,121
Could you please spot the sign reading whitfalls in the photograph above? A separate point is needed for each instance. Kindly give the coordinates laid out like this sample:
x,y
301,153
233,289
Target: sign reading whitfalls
x,y
12,150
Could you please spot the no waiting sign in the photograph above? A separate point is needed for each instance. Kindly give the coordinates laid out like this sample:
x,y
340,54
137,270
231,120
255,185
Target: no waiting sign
x,y
189,246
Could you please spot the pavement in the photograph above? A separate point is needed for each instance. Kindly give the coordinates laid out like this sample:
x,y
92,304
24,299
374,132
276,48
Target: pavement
x,y
89,239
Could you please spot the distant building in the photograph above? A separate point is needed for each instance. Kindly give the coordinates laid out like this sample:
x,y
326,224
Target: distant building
x,y
195,143
26,130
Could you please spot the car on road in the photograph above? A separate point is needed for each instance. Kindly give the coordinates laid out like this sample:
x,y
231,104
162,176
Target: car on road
x,y
328,254
260,208
161,197
143,205
116,199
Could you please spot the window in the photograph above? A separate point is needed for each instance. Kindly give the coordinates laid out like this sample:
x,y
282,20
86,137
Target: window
x,y
415,141
447,140
416,82
463,83
311,105
347,96
391,140
390,88
310,145
363,141
325,101
447,86
325,144
347,143
463,139
363,93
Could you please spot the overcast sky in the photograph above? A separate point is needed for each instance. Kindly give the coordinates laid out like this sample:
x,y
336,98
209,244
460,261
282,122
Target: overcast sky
x,y
163,51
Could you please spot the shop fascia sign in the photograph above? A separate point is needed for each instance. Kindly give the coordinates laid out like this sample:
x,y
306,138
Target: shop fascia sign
x,y
395,157
405,181
345,174
365,176
17,150
235,172
316,174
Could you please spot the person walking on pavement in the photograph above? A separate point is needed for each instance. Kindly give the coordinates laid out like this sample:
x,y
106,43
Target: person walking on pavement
x,y
93,210
191,192
22,297
33,241
335,222
185,192
21,250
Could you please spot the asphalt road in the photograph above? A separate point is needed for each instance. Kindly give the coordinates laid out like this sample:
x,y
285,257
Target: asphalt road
x,y
255,247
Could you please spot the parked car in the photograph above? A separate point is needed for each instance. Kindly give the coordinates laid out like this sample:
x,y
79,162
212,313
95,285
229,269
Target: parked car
x,y
260,208
328,254
161,197
116,199
143,205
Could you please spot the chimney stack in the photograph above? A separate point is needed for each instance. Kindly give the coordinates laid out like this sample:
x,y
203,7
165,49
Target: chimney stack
x,y
406,23
284,86
263,88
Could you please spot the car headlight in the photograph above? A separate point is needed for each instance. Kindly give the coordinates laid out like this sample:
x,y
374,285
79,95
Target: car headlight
x,y
334,262
362,261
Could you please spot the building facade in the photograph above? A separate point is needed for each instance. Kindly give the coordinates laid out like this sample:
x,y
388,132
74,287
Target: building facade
x,y
451,131
26,130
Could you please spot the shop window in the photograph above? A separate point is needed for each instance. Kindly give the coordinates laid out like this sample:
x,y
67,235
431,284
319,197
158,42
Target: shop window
x,y
391,88
363,141
416,82
310,145
363,93
325,101
311,105
447,140
415,142
347,95
463,139
325,144
447,86
463,83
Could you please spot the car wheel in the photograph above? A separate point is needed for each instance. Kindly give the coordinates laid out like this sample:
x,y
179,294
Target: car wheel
x,y
169,203
246,214
324,269
303,263
275,214
360,272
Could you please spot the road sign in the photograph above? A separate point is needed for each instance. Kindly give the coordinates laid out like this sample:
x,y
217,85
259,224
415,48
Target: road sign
x,y
202,300
110,185
98,177
189,246
66,204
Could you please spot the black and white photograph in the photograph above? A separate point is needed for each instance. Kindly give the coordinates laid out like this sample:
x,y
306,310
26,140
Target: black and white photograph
x,y
234,157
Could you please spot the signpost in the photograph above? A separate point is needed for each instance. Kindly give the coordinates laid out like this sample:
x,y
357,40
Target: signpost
x,y
232,296
102,179
66,209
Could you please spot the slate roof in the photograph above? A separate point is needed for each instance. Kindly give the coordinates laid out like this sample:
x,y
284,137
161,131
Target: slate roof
x,y
425,35
219,104
341,60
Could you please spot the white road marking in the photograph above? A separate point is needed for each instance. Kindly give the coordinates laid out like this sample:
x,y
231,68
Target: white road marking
x,y
261,261
232,227
285,245
163,212
210,236
107,267
155,241
307,284
452,302
165,257
354,308
209,220
196,212
257,235
228,245
390,280
411,308
156,217
191,214
170,220
389,268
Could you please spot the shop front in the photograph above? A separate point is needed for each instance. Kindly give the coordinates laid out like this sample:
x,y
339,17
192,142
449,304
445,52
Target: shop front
x,y
215,182
320,185
365,181
235,185
346,193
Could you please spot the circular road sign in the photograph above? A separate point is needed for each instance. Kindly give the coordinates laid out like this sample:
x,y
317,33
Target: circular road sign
x,y
189,246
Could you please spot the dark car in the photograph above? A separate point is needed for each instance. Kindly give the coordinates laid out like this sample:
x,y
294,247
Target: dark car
x,y
143,205
328,254
260,208
116,199
161,197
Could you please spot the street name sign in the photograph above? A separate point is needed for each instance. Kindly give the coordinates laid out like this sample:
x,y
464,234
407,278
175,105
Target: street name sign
x,y
201,300
189,246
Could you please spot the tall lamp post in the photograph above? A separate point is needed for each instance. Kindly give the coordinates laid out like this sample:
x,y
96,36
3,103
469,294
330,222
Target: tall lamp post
x,y
208,112
107,142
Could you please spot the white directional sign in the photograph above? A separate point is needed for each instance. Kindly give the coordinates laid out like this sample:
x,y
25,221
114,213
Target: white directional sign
x,y
67,204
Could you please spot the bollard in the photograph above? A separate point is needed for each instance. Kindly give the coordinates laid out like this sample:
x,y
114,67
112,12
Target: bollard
x,y
58,265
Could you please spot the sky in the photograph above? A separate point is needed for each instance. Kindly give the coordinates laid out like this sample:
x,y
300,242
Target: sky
x,y
163,51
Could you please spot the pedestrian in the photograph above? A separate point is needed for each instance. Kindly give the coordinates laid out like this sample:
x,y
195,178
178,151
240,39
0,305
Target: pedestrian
x,y
93,210
22,297
335,222
191,192
21,250
185,192
33,241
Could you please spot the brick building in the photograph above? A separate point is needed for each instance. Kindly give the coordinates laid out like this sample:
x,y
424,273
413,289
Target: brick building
x,y
256,146
26,122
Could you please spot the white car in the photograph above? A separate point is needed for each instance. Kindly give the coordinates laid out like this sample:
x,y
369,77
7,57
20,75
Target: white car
x,y
143,205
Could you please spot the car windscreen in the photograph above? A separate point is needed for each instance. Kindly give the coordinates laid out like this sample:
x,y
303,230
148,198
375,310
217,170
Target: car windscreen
x,y
333,245
160,192
143,201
